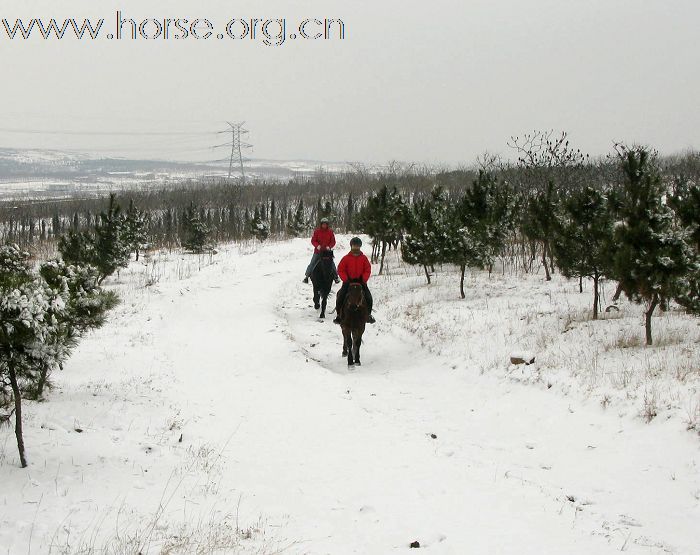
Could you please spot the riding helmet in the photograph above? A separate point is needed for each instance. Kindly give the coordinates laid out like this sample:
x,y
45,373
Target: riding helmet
x,y
324,220
356,241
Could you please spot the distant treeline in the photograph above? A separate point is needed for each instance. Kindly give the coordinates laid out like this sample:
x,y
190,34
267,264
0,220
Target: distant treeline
x,y
230,210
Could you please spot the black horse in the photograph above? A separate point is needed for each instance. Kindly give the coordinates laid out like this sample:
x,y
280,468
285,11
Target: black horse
x,y
322,278
352,322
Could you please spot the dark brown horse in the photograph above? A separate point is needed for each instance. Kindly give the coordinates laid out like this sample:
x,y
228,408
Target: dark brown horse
x,y
322,278
352,322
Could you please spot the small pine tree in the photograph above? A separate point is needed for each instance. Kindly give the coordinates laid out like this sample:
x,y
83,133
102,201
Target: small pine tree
x,y
350,213
195,233
135,233
652,260
539,222
583,238
112,250
420,245
297,225
427,231
487,212
259,228
274,217
41,321
383,219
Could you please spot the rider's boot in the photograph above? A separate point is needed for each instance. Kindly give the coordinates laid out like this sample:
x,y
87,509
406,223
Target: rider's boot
x,y
370,318
305,280
336,279
338,316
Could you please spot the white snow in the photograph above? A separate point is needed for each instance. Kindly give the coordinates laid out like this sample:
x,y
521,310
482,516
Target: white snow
x,y
215,400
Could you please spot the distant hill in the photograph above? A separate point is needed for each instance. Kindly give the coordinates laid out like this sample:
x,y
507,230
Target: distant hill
x,y
53,173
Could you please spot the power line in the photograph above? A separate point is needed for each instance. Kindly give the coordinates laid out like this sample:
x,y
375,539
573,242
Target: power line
x,y
125,133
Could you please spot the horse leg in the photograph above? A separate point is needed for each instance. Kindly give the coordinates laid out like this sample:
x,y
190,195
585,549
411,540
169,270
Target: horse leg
x,y
316,299
345,343
351,360
324,302
357,342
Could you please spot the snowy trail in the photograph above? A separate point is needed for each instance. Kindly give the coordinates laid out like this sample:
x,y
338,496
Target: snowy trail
x,y
229,380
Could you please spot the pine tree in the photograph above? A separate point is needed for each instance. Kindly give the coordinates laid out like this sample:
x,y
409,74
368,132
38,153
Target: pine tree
x,y
195,233
40,322
486,212
259,228
135,233
427,231
539,221
274,226
350,213
56,225
583,239
383,219
653,261
297,224
112,250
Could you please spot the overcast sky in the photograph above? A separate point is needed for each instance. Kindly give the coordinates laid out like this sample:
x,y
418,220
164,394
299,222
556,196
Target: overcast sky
x,y
434,82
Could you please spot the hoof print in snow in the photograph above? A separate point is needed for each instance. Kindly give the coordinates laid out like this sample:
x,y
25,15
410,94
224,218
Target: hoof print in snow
x,y
434,436
522,358
415,544
79,430
180,440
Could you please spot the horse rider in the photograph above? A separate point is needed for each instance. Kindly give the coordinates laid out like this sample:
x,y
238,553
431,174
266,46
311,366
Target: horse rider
x,y
323,240
354,267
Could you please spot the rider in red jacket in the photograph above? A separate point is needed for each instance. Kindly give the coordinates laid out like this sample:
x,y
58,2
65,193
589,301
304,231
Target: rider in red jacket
x,y
323,240
354,267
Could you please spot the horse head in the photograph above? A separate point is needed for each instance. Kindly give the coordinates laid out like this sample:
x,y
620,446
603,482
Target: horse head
x,y
356,297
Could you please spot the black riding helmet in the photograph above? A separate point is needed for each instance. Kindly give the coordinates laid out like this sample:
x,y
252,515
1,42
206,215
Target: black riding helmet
x,y
356,241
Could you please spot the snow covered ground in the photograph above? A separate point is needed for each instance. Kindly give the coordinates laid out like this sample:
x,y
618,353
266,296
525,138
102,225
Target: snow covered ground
x,y
214,411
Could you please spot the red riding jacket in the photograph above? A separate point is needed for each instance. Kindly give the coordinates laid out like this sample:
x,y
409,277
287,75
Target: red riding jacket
x,y
323,238
353,267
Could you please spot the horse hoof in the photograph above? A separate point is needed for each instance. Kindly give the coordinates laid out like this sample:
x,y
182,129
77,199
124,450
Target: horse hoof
x,y
317,306
345,353
358,363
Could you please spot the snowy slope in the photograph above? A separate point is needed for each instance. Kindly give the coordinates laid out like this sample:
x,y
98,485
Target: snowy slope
x,y
215,411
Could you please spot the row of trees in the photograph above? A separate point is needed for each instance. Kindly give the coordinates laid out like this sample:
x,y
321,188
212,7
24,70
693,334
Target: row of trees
x,y
635,229
229,213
